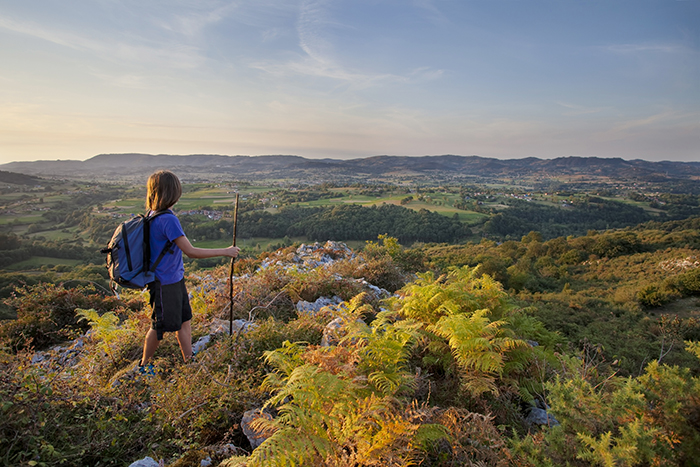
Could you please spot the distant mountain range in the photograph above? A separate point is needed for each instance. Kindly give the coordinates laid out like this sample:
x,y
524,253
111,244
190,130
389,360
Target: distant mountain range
x,y
136,167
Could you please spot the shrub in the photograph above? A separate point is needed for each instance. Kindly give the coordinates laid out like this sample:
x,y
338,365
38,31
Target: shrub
x,y
46,314
201,403
608,420
652,296
382,272
690,282
46,419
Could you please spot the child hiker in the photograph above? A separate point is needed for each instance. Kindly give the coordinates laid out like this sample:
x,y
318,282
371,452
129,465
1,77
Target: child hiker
x,y
170,304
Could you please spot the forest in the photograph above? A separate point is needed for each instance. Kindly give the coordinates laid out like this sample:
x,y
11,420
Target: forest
x,y
541,330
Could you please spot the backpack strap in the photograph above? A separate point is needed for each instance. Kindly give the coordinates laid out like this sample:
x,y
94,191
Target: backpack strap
x,y
166,249
147,249
125,237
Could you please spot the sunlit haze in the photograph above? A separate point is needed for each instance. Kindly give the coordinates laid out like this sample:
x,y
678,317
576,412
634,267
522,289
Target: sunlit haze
x,y
350,78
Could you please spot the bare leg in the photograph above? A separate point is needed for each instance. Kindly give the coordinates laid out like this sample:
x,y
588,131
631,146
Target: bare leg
x,y
150,345
184,337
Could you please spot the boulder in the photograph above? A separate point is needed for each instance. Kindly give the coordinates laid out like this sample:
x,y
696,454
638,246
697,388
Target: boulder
x,y
313,308
538,415
377,292
146,462
201,344
255,436
333,332
222,326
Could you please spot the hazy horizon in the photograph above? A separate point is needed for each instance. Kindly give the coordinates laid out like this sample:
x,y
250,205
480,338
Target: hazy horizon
x,y
350,79
338,158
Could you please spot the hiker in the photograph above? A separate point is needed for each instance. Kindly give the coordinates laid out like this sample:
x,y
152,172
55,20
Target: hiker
x,y
170,304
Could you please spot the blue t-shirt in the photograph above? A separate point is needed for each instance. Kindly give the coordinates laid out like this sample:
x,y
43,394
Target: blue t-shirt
x,y
166,227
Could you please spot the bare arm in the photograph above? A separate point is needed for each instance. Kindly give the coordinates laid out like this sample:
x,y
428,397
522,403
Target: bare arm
x,y
193,252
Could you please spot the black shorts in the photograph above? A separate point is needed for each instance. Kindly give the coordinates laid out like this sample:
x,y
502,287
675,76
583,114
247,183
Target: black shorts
x,y
170,305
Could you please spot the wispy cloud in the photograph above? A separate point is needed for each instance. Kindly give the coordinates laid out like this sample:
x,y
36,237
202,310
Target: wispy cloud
x,y
312,19
181,56
129,80
193,21
646,48
270,34
320,59
433,14
55,36
574,109
644,122
658,122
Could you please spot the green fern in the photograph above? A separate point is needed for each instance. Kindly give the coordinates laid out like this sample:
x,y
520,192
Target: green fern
x,y
478,346
106,328
337,405
383,351
461,291
324,419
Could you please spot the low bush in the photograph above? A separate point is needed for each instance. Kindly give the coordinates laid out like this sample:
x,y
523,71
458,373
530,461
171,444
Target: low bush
x,y
46,419
46,314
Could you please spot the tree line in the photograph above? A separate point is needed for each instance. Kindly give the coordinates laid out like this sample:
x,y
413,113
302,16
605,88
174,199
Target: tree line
x,y
591,213
345,222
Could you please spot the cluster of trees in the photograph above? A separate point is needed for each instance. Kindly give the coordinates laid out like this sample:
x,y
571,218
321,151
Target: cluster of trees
x,y
14,249
285,197
677,206
344,222
590,213
354,222
78,211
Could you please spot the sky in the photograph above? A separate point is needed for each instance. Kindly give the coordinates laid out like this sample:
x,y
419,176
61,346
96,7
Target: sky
x,y
349,79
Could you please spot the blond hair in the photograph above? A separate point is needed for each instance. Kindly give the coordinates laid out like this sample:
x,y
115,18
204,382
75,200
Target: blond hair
x,y
164,189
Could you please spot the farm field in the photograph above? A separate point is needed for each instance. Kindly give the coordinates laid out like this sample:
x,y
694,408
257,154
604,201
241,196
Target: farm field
x,y
37,262
85,215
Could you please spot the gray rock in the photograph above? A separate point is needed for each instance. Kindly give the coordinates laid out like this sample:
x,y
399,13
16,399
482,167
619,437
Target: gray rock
x,y
38,358
378,292
201,343
333,333
222,326
145,462
538,416
255,437
313,308
78,344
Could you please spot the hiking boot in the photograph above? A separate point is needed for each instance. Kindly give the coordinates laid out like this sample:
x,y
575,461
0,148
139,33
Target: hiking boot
x,y
133,373
147,370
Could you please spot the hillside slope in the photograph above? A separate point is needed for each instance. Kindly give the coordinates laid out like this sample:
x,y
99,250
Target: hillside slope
x,y
450,369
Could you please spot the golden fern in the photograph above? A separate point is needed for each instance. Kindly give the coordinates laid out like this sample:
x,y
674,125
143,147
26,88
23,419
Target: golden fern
x,y
105,327
479,347
324,419
460,291
383,351
336,404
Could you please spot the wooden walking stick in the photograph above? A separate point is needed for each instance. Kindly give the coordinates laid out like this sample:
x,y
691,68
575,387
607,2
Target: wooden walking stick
x,y
230,274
